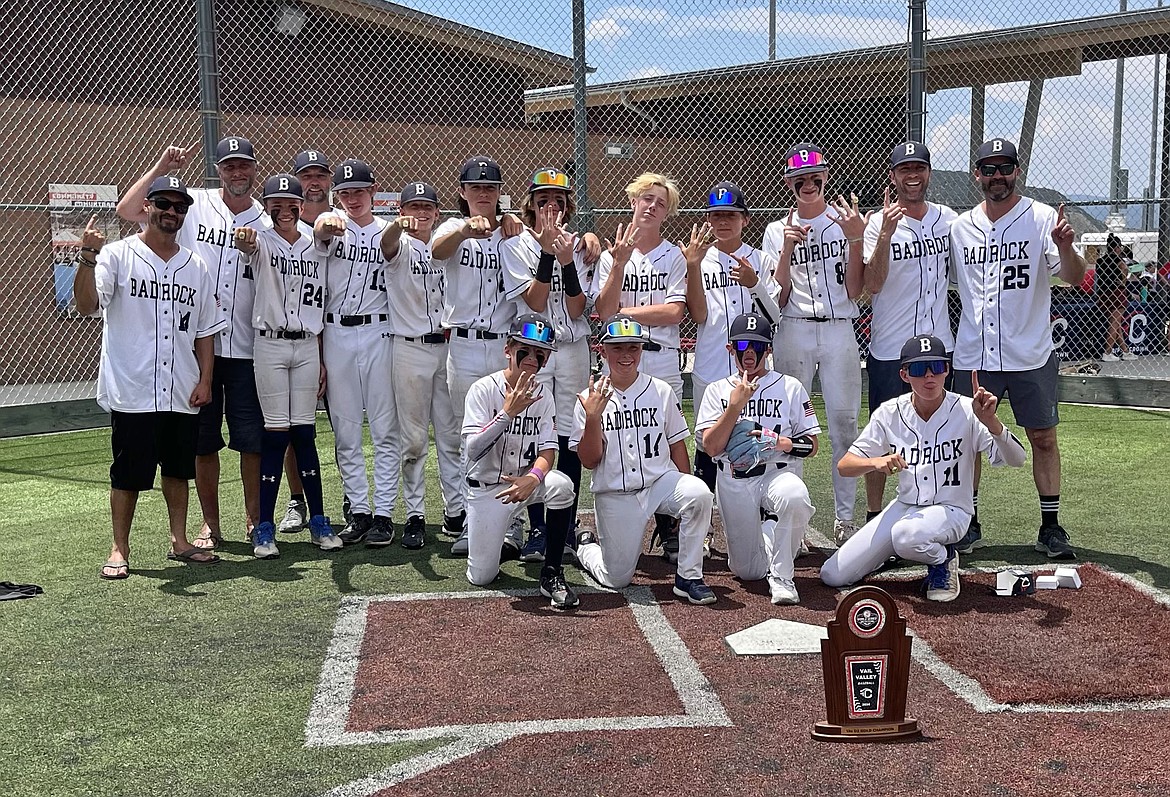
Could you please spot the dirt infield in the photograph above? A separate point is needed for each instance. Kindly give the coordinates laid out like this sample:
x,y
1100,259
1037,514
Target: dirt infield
x,y
502,660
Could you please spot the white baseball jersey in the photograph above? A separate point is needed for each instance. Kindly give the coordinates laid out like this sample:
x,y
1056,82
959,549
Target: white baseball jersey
x,y
527,435
355,270
913,300
475,283
290,283
1002,269
726,300
818,269
521,255
154,311
655,277
940,452
639,425
415,287
208,232
780,403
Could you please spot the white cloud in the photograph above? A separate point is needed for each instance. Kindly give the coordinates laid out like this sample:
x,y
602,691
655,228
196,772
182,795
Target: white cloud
x,y
651,70
605,32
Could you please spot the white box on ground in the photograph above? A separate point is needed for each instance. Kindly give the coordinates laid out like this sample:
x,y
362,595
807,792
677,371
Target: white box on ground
x,y
1047,582
1014,582
1068,577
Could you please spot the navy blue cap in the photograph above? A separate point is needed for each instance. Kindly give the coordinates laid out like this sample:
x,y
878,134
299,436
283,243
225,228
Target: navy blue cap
x,y
535,330
910,152
480,169
418,192
168,183
997,148
804,158
726,196
751,326
922,348
352,173
285,186
309,158
234,147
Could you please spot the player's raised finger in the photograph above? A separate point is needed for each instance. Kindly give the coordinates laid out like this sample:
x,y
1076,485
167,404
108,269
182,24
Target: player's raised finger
x,y
91,225
974,382
886,198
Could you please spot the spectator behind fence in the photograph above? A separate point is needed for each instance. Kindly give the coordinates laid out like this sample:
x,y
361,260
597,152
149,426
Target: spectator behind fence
x,y
1112,297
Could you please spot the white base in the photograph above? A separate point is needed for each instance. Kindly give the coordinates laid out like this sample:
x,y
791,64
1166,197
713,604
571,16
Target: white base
x,y
777,637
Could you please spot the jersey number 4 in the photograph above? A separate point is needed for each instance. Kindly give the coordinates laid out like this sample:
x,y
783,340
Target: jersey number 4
x,y
313,298
1016,276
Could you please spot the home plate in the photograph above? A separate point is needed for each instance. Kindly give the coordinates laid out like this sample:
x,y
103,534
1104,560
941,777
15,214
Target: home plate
x,y
773,637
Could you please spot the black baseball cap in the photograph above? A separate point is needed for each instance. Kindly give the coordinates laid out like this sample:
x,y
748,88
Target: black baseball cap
x,y
923,348
168,183
352,173
620,328
726,195
418,192
283,186
804,158
549,177
751,326
234,147
997,148
480,169
910,152
535,330
308,159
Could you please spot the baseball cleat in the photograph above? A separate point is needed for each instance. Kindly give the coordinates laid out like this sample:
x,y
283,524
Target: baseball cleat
x,y
453,525
296,517
708,544
972,539
942,581
1110,357
842,531
783,591
264,541
357,528
533,550
694,590
459,547
414,536
559,593
1052,541
381,533
666,536
586,537
321,534
514,536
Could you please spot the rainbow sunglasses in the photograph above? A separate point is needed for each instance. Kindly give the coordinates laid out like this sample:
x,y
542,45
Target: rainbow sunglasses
x,y
624,328
804,159
550,178
537,332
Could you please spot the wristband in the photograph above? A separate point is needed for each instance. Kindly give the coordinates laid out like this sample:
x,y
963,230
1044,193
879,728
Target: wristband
x,y
570,280
90,249
802,446
544,269
537,472
81,261
856,240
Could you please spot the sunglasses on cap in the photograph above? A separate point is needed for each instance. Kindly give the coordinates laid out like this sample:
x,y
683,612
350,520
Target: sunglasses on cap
x,y
625,328
550,178
920,368
989,169
804,159
179,207
721,199
758,346
537,333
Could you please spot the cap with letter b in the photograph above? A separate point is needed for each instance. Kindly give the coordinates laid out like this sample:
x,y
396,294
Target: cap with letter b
x,y
996,148
620,328
308,159
549,177
535,330
726,195
923,348
418,191
283,186
352,173
480,169
168,183
804,158
751,326
910,152
233,147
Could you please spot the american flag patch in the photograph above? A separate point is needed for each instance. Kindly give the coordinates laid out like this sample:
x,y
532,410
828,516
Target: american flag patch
x,y
809,412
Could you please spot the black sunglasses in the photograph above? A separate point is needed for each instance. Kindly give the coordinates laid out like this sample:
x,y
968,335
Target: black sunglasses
x,y
989,169
919,369
180,207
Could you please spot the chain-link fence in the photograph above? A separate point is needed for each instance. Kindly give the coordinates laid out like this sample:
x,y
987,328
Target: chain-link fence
x,y
700,91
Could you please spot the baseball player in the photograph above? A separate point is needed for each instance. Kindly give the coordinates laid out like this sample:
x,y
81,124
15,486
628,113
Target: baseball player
x,y
628,428
724,281
509,427
209,233
906,272
288,316
158,303
476,312
415,288
546,271
756,424
931,438
357,347
1004,251
820,274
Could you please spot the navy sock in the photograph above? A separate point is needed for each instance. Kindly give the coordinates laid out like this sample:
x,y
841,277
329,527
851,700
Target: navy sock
x,y
705,469
309,466
272,445
559,521
569,464
871,514
1049,510
536,515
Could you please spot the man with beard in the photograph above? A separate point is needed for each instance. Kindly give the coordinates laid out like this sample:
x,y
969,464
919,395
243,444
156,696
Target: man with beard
x,y
906,273
158,303
209,232
1004,252
756,424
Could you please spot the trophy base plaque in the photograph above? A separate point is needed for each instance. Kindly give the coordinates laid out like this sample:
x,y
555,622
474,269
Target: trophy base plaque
x,y
867,731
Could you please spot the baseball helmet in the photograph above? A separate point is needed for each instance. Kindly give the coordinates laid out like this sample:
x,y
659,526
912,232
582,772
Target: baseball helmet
x,y
234,147
168,183
550,177
726,195
352,173
535,330
480,169
283,186
418,192
308,159
620,328
751,326
804,158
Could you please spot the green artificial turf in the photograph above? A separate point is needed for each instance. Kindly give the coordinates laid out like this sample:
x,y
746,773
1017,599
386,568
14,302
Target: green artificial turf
x,y
196,680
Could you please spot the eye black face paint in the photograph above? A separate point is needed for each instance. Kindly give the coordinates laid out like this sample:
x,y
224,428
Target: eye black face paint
x,y
817,181
540,356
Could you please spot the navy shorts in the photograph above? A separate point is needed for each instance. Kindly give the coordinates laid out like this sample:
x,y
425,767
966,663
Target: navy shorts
x,y
233,387
1032,393
885,381
146,441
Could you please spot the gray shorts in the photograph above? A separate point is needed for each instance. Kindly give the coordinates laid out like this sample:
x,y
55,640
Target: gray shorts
x,y
1032,393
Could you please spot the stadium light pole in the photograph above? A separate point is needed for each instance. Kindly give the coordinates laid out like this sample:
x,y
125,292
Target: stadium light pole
x,y
584,217
916,83
208,87
1115,156
771,30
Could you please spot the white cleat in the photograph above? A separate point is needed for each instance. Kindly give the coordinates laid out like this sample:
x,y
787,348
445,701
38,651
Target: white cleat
x,y
783,591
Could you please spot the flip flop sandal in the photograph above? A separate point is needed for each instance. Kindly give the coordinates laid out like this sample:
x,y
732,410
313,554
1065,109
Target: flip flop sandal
x,y
116,566
216,541
188,557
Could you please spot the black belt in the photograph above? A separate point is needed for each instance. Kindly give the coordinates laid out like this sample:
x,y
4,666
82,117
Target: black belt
x,y
818,319
477,483
758,470
355,320
476,334
431,337
284,334
651,346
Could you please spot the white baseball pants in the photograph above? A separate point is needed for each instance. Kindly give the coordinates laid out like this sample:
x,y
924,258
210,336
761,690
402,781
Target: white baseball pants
x,y
288,373
757,548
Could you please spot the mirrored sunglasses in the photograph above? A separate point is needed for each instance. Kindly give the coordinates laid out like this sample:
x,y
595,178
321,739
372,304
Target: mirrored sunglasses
x,y
758,346
551,178
625,328
537,333
802,160
919,369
